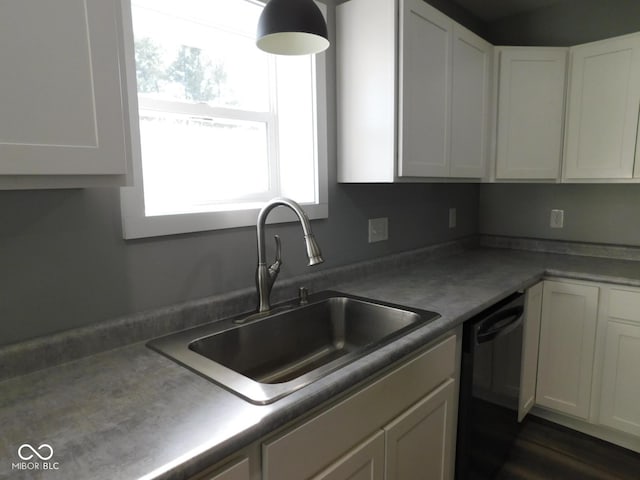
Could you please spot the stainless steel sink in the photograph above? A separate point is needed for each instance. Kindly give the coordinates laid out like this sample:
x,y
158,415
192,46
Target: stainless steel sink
x,y
263,358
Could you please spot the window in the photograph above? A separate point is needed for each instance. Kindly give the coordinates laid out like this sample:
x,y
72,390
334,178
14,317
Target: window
x,y
223,126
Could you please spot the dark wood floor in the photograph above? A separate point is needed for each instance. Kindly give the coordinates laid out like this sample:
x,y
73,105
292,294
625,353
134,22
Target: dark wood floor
x,y
546,451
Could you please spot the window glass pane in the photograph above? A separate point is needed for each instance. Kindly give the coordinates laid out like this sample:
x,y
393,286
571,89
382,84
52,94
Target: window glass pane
x,y
200,51
190,163
223,126
296,114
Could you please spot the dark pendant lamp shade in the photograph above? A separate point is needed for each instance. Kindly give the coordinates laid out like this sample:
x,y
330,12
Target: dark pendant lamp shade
x,y
292,27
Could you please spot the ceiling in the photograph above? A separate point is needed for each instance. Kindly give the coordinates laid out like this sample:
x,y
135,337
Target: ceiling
x,y
490,10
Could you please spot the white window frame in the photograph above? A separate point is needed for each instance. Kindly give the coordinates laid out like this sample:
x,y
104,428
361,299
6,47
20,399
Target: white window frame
x,y
135,224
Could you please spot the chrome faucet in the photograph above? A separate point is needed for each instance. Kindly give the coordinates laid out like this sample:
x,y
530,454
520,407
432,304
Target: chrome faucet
x,y
266,276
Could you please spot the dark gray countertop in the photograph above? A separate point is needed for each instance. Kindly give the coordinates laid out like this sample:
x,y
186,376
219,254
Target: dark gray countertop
x,y
130,412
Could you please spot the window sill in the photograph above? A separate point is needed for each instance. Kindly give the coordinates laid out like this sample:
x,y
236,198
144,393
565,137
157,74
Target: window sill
x,y
136,225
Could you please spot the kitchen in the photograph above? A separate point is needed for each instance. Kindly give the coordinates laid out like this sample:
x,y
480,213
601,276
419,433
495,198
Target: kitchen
x,y
66,265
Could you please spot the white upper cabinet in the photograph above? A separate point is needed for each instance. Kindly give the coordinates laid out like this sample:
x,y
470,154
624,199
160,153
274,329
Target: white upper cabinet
x,y
413,93
470,104
425,90
602,113
62,121
531,95
366,44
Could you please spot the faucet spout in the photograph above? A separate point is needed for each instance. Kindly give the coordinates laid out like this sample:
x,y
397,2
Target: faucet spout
x,y
266,275
313,250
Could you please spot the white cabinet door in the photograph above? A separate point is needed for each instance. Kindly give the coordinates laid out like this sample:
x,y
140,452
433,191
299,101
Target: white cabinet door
x,y
530,112
365,462
238,471
420,441
567,342
61,91
425,90
620,396
323,440
472,58
620,399
530,345
604,98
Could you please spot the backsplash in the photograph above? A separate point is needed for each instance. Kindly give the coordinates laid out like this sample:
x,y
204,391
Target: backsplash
x,y
65,265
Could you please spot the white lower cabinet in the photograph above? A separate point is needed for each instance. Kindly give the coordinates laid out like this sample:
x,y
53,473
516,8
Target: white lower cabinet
x,y
588,359
418,441
620,399
567,344
364,462
530,347
417,444
237,471
237,468
400,427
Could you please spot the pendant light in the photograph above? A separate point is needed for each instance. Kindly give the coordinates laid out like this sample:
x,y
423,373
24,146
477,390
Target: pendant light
x,y
292,27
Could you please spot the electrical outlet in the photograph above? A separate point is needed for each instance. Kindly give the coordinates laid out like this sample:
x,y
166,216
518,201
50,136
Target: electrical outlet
x,y
378,229
452,218
557,219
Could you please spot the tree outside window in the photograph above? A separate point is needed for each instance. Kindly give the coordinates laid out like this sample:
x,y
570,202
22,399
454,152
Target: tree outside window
x,y
197,77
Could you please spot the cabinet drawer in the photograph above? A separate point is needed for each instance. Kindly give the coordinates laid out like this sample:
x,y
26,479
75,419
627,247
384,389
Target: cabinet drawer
x,y
312,446
624,304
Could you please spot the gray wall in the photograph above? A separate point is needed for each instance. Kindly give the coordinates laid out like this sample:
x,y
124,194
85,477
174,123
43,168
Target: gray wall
x,y
593,213
64,264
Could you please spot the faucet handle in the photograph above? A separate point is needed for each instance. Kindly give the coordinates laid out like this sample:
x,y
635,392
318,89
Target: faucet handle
x,y
275,266
278,248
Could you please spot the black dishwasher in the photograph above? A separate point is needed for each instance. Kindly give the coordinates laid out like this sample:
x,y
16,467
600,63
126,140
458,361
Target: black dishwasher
x,y
489,389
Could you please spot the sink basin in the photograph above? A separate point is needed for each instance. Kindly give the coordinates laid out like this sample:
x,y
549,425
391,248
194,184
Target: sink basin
x,y
263,358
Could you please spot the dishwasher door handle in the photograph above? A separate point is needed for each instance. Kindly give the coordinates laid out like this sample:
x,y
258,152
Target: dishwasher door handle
x,y
499,324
